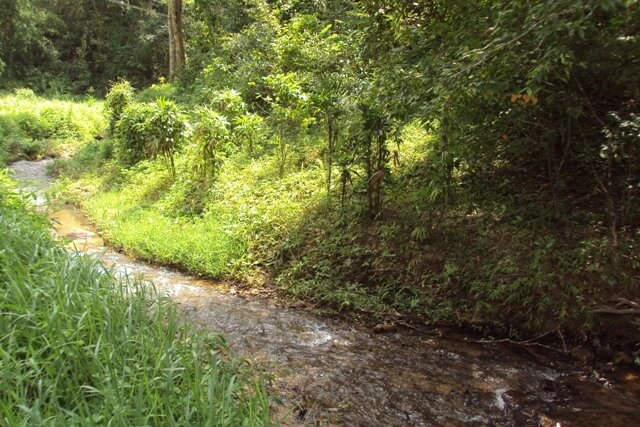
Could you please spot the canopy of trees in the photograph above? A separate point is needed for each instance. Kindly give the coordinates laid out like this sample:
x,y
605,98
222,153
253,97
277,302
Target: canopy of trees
x,y
69,45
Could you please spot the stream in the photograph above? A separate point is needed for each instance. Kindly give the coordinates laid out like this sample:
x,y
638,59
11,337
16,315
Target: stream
x,y
331,372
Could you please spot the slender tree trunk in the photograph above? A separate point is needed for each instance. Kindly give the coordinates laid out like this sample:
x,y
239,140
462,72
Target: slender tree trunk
x,y
9,17
283,153
177,56
343,192
369,176
330,145
382,140
446,159
172,52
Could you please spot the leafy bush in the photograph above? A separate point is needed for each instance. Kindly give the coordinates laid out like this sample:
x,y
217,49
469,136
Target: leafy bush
x,y
10,137
25,93
22,135
229,102
90,158
212,136
148,130
47,123
120,95
4,153
165,127
157,91
32,149
32,126
9,127
248,129
131,133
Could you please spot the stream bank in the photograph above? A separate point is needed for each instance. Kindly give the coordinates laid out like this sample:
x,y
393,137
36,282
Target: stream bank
x,y
328,371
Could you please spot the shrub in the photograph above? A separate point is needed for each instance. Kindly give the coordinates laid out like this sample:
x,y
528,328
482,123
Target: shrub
x,y
165,127
47,123
31,125
10,138
212,136
90,158
230,102
146,131
248,129
157,91
119,97
58,123
5,152
60,126
8,126
32,149
25,93
131,133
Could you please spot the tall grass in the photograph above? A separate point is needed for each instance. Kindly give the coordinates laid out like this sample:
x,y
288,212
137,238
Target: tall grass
x,y
79,347
248,212
32,126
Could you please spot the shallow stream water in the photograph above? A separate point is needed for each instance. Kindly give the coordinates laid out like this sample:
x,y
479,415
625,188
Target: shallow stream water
x,y
332,372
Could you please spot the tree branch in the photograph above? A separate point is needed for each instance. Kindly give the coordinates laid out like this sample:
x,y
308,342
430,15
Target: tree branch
x,y
623,307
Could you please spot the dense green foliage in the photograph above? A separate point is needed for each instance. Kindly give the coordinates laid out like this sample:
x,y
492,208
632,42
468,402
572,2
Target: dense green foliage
x,y
463,161
33,127
149,130
79,46
119,97
80,347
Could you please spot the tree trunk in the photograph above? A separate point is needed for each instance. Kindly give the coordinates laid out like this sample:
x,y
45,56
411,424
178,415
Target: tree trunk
x,y
330,148
380,172
10,15
177,56
283,153
369,174
447,170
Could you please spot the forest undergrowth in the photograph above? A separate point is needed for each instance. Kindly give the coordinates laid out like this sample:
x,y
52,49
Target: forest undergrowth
x,y
484,261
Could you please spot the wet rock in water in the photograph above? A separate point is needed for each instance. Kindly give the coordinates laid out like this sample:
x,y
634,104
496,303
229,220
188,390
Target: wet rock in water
x,y
548,386
500,398
384,328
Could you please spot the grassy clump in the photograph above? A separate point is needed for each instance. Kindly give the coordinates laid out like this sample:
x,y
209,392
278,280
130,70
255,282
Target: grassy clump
x,y
225,231
78,346
90,157
32,127
157,91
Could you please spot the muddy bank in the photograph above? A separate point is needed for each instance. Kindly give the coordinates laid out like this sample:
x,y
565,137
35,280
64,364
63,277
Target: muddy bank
x,y
330,372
